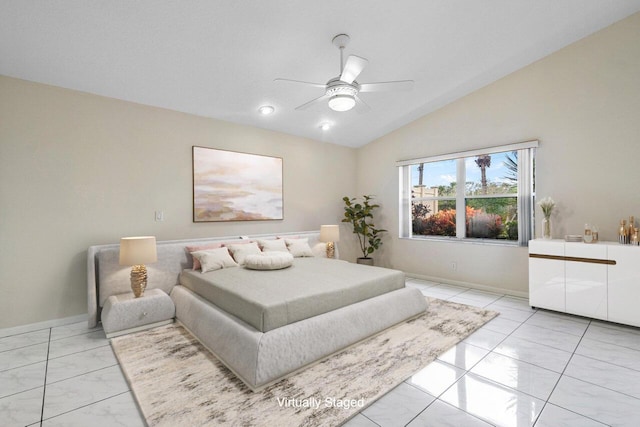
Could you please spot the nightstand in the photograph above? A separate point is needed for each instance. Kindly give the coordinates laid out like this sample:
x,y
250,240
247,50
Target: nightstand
x,y
123,313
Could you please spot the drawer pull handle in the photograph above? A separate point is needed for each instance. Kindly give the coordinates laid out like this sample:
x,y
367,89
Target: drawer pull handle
x,y
575,259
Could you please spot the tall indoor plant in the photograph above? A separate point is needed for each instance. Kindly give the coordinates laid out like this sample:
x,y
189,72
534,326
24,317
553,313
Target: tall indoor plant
x,y
360,216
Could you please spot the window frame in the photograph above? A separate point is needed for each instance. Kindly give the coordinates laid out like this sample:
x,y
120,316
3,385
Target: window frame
x,y
524,197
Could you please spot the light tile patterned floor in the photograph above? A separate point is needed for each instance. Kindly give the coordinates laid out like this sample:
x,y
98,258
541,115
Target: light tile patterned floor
x,y
526,367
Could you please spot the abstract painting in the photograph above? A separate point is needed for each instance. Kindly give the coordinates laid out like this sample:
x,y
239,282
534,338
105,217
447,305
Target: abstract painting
x,y
231,186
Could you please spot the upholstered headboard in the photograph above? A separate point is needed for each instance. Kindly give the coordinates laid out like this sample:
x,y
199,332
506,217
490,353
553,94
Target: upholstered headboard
x,y
107,277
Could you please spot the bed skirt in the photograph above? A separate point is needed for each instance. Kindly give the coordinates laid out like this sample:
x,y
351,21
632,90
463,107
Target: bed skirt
x,y
260,359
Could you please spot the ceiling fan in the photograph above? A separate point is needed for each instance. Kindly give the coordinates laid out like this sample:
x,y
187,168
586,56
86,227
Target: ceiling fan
x,y
342,92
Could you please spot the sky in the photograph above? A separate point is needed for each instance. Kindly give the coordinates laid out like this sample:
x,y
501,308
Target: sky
x,y
444,172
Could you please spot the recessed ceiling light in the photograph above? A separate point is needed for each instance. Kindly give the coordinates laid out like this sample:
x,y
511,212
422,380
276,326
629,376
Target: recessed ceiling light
x,y
325,126
265,110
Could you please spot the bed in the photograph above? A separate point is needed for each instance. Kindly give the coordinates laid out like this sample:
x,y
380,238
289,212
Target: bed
x,y
265,325
268,300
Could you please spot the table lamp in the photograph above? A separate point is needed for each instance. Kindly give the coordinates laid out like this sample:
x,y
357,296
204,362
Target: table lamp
x,y
330,234
138,251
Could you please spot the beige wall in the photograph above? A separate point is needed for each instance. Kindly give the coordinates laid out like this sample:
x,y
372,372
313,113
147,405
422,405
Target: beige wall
x,y
79,170
582,103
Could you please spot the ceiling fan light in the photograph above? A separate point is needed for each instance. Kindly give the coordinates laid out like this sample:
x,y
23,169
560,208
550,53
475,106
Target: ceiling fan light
x,y
342,102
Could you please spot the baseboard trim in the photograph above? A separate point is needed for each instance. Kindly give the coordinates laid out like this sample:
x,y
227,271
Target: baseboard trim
x,y
477,286
5,332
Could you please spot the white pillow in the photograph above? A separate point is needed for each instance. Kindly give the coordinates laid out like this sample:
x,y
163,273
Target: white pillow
x,y
214,259
273,246
241,251
269,261
299,247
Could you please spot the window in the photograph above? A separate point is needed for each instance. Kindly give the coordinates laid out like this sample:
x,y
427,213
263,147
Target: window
x,y
481,194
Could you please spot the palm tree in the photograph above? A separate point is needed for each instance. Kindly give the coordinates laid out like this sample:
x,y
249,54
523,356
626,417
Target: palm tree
x,y
511,163
483,162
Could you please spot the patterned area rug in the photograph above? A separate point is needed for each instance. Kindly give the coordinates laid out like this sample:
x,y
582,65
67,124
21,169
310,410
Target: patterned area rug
x,y
177,382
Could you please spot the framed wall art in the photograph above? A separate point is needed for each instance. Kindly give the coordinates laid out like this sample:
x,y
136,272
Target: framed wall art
x,y
232,186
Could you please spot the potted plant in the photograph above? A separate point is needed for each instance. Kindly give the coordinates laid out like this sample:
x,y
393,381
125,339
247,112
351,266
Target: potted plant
x,y
360,215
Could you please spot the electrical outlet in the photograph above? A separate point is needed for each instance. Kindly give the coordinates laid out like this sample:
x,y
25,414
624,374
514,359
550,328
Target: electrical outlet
x,y
159,216
454,266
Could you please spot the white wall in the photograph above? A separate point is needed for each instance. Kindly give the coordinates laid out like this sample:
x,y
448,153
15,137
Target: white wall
x,y
582,103
79,170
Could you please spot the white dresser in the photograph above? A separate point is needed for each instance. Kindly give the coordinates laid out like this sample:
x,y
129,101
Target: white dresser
x,y
600,280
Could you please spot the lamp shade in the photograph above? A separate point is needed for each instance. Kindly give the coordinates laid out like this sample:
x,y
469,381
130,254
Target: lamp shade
x,y
138,250
329,233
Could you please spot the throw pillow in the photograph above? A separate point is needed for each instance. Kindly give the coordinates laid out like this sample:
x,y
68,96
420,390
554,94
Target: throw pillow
x,y
192,249
299,247
269,261
273,245
214,259
240,251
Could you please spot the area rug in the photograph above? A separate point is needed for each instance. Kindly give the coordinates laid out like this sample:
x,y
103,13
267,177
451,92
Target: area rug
x,y
178,382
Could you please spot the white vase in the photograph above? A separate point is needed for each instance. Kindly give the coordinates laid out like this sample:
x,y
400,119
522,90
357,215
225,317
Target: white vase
x,y
546,228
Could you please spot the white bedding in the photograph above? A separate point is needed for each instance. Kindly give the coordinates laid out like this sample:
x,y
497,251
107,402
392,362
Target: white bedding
x,y
268,300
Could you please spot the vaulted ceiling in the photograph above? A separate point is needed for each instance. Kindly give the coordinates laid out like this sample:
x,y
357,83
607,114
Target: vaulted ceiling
x,y
220,58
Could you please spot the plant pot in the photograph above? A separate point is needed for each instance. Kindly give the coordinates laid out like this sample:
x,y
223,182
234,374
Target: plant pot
x,y
365,261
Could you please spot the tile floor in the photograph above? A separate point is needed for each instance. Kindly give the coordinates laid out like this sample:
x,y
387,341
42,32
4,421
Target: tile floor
x,y
526,367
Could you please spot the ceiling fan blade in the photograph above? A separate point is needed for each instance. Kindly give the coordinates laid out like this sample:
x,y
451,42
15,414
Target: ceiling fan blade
x,y
312,103
361,106
323,86
387,86
353,68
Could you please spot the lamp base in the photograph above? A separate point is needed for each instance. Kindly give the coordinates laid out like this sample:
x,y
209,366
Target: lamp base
x,y
138,279
331,250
